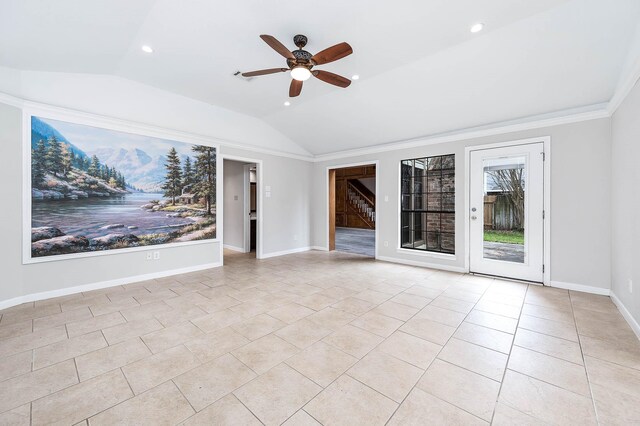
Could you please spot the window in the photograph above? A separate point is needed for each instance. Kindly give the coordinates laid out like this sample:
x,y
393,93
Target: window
x,y
427,211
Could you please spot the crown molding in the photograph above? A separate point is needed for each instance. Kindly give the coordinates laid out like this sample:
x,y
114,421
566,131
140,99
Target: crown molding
x,y
592,112
625,87
207,140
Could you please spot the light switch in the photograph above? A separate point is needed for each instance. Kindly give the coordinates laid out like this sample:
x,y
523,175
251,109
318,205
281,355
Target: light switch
x,y
267,194
267,188
386,198
235,197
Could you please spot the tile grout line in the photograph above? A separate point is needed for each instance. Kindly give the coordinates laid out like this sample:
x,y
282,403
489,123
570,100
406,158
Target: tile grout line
x,y
506,366
360,359
436,357
586,370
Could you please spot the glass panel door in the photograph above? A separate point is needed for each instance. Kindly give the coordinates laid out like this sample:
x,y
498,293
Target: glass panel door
x,y
506,226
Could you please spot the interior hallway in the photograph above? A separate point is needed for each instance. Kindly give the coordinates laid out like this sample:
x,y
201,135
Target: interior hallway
x,y
356,241
318,336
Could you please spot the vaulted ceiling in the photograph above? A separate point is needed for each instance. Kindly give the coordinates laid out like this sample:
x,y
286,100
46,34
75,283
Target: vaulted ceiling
x,y
421,70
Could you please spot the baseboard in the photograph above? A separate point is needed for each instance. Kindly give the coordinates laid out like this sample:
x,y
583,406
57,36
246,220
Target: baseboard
x,y
234,248
102,284
284,252
580,287
422,264
626,314
319,248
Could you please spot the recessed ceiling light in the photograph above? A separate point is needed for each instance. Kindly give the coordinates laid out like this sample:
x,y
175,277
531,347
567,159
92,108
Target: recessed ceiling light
x,y
287,103
147,49
476,28
355,77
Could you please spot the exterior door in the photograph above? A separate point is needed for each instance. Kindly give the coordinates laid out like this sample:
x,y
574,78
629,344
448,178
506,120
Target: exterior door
x,y
507,212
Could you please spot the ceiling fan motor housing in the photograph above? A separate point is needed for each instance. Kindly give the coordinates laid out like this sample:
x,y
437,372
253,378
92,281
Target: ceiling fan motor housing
x,y
302,58
300,40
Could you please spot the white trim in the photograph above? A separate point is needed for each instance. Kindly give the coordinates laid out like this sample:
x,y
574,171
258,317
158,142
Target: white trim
x,y
626,314
234,248
546,140
422,264
428,254
624,87
246,207
326,182
147,128
103,284
581,287
102,123
285,252
319,248
259,203
592,112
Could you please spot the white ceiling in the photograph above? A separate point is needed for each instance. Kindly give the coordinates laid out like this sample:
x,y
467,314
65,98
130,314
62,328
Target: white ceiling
x,y
422,71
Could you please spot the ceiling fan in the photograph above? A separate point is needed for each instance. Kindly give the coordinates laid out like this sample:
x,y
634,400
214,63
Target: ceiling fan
x,y
300,63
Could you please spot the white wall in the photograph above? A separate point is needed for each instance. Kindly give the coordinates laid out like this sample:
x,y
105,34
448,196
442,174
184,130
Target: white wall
x,y
116,97
21,280
233,202
625,203
580,215
285,215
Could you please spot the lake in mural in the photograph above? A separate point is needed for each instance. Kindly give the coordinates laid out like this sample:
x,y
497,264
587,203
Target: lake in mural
x,y
95,189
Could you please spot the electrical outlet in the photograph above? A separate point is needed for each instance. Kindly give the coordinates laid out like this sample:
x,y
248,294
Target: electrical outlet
x,y
386,243
235,198
156,255
149,255
630,285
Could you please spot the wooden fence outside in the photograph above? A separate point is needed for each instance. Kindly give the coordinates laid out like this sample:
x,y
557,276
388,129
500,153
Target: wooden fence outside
x,y
499,213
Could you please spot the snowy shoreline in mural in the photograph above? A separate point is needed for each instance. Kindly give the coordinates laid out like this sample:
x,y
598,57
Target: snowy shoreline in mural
x,y
95,189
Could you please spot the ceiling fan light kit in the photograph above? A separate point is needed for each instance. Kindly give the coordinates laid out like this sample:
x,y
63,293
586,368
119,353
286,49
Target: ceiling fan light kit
x,y
300,73
300,63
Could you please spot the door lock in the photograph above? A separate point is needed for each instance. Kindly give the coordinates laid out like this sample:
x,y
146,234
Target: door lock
x,y
473,209
473,217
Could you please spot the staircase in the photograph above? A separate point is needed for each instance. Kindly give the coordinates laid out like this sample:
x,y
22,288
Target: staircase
x,y
362,202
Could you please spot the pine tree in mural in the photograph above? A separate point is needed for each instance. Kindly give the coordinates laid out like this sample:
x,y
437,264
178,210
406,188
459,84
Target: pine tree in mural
x,y
188,175
54,156
94,167
66,160
205,186
173,180
38,164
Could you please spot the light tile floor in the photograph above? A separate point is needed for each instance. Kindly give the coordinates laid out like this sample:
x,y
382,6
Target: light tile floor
x,y
319,338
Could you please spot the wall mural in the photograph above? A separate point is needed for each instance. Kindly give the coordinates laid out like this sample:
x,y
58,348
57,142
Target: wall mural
x,y
95,189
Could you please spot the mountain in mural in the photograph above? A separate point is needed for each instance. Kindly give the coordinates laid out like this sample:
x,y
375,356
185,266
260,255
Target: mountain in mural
x,y
41,130
141,170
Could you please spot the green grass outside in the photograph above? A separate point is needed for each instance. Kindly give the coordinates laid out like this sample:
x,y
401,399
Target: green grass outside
x,y
509,237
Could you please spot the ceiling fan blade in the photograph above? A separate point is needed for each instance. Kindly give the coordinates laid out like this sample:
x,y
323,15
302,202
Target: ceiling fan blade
x,y
295,88
332,53
277,46
331,78
263,72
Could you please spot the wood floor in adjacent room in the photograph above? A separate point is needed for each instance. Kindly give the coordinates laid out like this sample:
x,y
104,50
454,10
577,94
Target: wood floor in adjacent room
x,y
319,338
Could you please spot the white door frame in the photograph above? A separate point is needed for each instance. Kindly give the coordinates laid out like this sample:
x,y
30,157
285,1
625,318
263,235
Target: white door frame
x,y
259,233
326,183
246,185
546,140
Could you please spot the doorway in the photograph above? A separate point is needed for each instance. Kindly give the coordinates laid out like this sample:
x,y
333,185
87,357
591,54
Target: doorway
x,y
241,206
352,209
507,211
